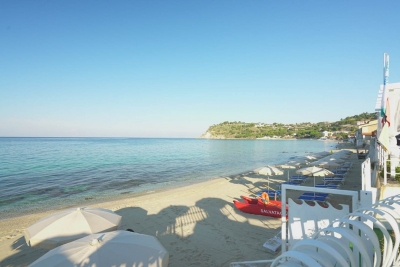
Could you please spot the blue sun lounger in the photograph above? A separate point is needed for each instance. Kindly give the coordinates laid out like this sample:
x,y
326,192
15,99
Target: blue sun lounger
x,y
315,194
340,173
329,186
298,178
311,196
341,170
271,193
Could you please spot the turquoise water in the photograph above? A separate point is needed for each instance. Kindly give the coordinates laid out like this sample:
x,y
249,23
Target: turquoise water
x,y
46,173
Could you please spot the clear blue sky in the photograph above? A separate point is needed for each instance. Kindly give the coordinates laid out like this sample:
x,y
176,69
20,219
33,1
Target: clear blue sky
x,y
173,68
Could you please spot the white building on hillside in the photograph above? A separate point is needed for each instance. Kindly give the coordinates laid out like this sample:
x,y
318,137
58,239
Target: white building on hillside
x,y
326,133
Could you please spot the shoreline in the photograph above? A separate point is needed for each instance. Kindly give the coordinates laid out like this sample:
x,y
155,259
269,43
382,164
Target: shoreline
x,y
197,223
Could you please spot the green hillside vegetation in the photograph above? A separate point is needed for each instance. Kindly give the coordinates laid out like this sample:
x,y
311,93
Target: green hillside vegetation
x,y
340,130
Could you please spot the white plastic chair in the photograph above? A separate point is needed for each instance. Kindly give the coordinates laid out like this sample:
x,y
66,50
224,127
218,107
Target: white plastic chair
x,y
321,252
367,235
346,236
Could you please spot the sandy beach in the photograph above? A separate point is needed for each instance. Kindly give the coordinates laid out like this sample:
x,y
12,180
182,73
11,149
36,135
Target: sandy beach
x,y
198,224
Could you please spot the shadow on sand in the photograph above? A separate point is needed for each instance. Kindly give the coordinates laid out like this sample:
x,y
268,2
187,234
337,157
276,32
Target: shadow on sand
x,y
191,234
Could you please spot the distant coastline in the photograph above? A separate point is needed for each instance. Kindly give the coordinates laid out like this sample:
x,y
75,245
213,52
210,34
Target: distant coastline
x,y
344,129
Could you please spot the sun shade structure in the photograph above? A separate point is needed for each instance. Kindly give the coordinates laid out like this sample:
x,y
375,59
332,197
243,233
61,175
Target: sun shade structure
x,y
117,248
70,224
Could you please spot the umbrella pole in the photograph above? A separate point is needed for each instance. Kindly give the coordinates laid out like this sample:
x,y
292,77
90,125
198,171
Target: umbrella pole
x,y
314,184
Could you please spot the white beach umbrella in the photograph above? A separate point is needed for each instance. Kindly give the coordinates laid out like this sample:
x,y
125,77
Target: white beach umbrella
x,y
315,171
70,224
298,162
316,163
309,158
331,159
328,164
337,160
315,156
117,248
286,166
268,170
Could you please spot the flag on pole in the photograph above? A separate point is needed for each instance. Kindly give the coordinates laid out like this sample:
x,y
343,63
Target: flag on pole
x,y
385,109
385,98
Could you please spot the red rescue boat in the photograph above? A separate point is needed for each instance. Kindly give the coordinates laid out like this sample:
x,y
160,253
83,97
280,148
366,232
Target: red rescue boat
x,y
272,208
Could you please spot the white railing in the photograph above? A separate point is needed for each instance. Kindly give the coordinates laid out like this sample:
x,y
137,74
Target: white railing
x,y
331,246
348,241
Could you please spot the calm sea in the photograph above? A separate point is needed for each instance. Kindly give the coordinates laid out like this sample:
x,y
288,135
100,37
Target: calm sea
x,y
38,174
